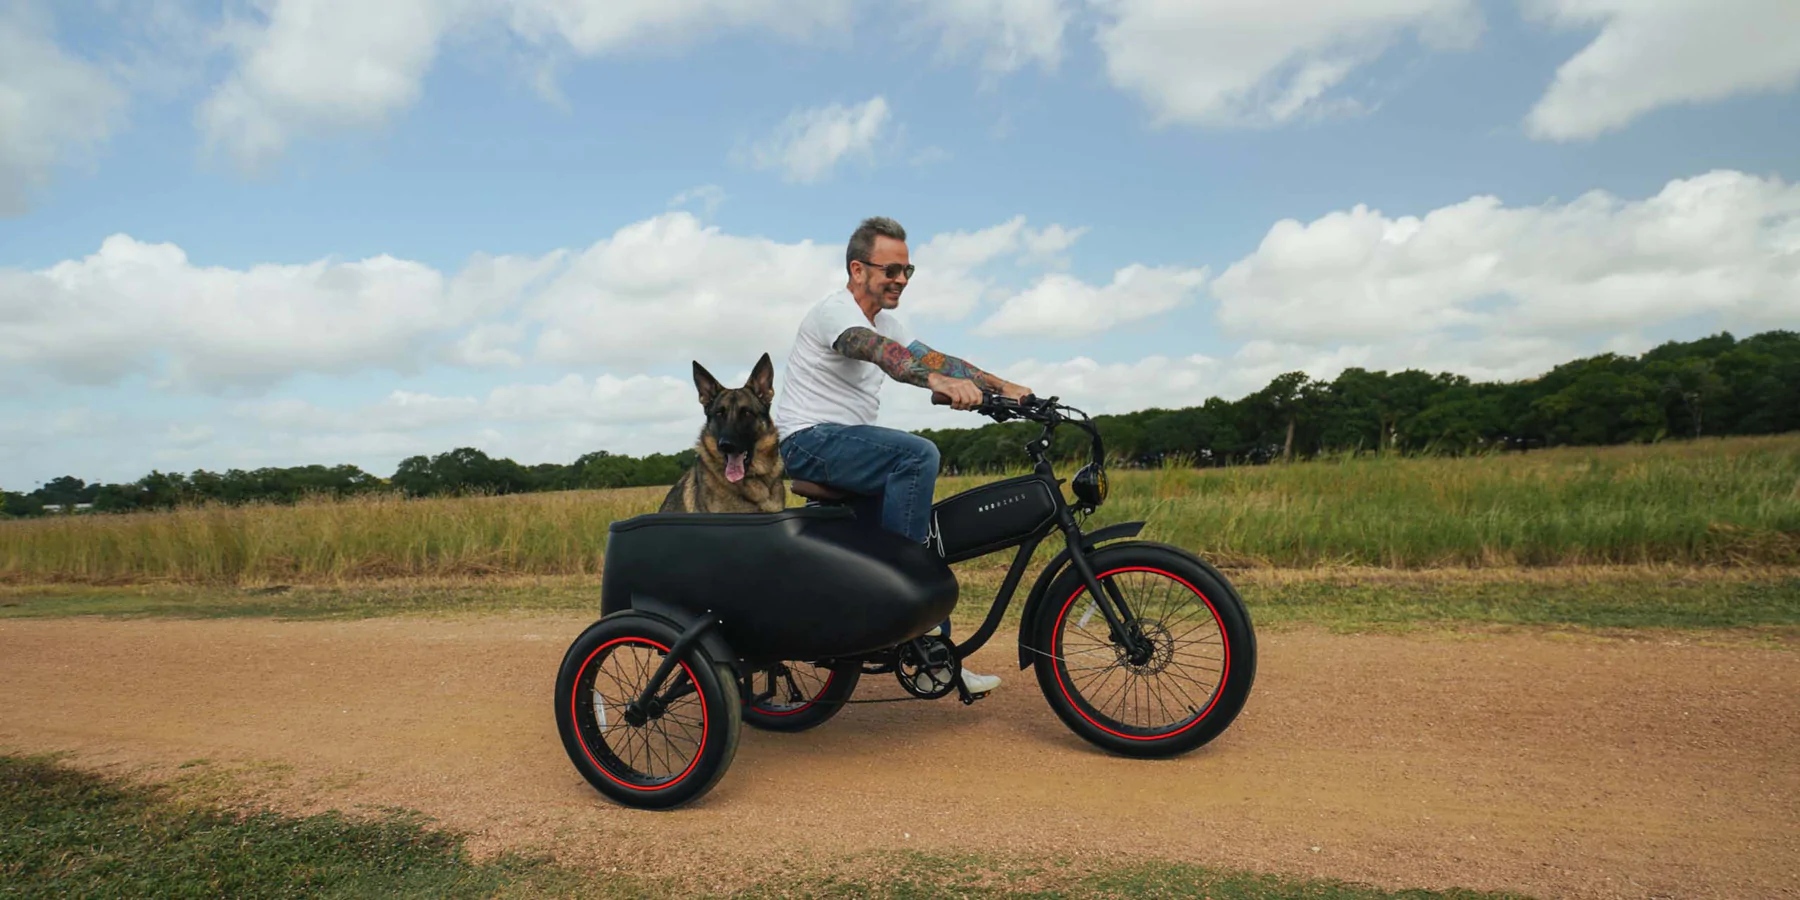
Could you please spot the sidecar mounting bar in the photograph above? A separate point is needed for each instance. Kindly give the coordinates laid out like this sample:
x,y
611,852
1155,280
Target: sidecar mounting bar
x,y
682,643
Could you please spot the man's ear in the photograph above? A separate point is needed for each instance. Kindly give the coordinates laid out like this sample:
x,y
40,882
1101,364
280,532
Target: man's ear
x,y
708,385
762,379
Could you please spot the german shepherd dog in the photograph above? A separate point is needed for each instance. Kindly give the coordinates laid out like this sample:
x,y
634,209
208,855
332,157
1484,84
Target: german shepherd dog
x,y
739,466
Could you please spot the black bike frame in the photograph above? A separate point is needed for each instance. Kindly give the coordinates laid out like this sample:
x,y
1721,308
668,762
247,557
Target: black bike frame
x,y
1119,616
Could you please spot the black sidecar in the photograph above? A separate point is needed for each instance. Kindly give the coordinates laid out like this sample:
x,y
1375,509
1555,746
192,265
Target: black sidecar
x,y
803,583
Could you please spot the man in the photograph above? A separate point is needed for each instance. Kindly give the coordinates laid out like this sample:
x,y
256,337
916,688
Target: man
x,y
848,345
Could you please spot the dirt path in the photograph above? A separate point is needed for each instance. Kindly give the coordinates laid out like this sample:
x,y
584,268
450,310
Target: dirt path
x,y
1558,766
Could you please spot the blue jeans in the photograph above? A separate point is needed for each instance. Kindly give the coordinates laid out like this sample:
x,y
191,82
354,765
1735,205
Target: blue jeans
x,y
895,469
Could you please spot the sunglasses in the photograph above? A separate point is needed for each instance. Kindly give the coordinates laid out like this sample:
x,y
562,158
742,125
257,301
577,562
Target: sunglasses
x,y
891,270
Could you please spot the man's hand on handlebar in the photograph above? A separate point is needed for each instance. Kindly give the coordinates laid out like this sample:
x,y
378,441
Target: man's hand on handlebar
x,y
962,393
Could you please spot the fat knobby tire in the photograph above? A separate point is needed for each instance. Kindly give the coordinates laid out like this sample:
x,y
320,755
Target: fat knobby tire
x,y
721,713
1185,573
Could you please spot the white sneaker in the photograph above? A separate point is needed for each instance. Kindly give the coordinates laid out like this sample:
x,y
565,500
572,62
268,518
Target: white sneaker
x,y
980,684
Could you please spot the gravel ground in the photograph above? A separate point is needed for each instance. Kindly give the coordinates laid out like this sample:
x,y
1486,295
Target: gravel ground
x,y
1558,765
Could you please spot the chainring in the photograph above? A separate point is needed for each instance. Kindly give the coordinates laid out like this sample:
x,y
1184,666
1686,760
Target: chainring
x,y
936,662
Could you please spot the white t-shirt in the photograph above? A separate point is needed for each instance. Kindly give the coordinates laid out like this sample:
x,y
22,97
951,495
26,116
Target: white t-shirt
x,y
821,385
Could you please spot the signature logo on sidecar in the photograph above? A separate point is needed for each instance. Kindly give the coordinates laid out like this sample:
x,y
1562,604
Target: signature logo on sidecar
x,y
987,507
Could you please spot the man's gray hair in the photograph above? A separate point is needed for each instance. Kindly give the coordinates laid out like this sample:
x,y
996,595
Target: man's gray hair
x,y
862,240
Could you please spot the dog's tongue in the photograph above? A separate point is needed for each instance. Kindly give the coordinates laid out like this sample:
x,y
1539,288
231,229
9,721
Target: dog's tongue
x,y
734,467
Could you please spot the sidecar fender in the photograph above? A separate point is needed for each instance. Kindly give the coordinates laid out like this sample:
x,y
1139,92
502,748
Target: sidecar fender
x,y
714,643
1060,561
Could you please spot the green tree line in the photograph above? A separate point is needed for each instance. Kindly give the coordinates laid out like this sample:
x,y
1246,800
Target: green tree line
x,y
1717,385
463,470
1712,386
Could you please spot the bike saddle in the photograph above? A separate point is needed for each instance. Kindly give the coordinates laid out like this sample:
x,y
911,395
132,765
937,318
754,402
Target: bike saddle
x,y
825,493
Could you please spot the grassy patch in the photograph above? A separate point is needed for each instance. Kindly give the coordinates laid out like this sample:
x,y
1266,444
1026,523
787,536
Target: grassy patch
x,y
348,600
1706,502
1647,597
1340,599
65,833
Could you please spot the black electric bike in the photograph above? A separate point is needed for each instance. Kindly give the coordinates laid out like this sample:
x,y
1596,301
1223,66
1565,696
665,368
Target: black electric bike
x,y
713,620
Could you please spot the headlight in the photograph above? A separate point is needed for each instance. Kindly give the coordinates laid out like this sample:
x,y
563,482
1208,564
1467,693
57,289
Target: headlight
x,y
1090,484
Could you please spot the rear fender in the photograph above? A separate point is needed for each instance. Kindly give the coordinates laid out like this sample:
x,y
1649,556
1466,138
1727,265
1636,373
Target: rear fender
x,y
1060,561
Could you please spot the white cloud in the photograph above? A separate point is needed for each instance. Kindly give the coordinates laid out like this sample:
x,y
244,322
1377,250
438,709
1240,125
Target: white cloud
x,y
1260,63
1651,54
490,345
142,308
529,422
1012,33
322,66
710,196
951,284
313,67
1060,305
1171,382
672,288
1723,244
1050,243
664,290
810,143
54,107
592,27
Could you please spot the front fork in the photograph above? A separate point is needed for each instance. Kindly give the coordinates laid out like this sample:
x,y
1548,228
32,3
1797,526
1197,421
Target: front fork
x,y
1121,622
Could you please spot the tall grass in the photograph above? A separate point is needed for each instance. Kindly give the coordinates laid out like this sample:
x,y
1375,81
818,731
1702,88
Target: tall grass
x,y
1729,501
1708,502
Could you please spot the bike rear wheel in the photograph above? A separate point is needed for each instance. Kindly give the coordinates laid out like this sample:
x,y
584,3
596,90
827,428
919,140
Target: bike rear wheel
x,y
660,760
801,695
1185,691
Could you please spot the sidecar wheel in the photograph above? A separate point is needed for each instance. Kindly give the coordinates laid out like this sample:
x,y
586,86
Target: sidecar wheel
x,y
671,758
804,695
1191,685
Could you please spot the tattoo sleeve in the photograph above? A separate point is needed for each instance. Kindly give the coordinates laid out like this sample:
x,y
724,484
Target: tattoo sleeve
x,y
868,346
943,363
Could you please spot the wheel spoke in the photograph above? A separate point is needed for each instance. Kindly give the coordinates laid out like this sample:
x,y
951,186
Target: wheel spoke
x,y
1162,692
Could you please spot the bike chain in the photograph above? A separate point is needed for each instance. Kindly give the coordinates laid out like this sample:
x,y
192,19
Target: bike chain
x,y
1042,653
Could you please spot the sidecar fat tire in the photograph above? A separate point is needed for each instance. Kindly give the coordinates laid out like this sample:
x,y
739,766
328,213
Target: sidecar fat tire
x,y
716,715
1185,581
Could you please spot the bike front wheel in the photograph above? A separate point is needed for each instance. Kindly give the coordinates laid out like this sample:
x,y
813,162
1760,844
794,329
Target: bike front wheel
x,y
1186,685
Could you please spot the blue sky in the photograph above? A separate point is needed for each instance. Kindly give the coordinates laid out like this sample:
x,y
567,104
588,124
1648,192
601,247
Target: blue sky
x,y
295,231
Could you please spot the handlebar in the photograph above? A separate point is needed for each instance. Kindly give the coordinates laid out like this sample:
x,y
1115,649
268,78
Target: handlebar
x,y
1002,408
1043,410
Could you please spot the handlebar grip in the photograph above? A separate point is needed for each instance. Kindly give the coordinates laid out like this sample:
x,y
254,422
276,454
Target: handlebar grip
x,y
989,399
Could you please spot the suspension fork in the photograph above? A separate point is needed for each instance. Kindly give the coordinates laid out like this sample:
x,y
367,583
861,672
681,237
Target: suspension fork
x,y
648,705
1121,621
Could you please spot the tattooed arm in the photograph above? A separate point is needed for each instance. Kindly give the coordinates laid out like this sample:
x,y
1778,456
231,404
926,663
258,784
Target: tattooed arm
x,y
922,366
939,361
897,361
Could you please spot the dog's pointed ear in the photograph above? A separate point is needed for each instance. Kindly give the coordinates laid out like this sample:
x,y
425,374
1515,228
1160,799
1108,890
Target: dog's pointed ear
x,y
762,379
708,385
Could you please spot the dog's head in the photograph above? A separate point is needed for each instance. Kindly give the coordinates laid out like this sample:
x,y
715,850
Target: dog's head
x,y
737,419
